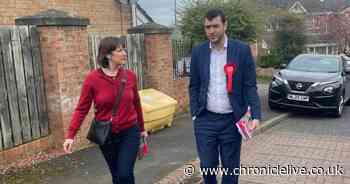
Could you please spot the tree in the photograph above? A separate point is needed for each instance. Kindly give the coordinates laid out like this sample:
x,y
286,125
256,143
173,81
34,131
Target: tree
x,y
339,30
289,39
242,23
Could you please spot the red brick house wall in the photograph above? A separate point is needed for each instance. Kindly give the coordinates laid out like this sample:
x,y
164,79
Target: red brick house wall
x,y
106,16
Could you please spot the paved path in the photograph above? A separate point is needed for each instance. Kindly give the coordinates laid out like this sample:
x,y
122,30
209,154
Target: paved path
x,y
303,140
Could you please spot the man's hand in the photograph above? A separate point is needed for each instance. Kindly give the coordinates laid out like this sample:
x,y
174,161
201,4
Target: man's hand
x,y
254,124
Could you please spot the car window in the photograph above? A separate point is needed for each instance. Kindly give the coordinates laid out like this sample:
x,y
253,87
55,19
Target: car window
x,y
347,63
308,63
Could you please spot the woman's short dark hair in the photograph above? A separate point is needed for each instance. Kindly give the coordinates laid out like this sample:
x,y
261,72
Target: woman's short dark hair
x,y
213,13
107,45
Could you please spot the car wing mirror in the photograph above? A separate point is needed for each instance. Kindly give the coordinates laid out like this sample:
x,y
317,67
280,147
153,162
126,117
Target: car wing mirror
x,y
347,67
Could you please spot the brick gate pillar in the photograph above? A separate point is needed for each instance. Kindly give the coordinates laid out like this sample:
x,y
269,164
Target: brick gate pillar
x,y
159,60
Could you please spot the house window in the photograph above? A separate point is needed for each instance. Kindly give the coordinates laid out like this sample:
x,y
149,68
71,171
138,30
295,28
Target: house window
x,y
264,45
308,50
269,27
333,50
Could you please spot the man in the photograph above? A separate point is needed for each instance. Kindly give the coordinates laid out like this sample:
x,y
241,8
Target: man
x,y
214,106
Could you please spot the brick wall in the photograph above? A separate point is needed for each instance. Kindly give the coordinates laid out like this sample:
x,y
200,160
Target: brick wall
x,y
106,16
65,64
25,151
181,94
159,64
159,69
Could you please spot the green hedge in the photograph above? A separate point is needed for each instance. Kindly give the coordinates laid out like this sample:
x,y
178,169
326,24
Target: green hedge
x,y
270,60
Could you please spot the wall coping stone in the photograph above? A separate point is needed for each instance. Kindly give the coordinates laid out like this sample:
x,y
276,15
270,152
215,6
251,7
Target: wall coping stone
x,y
150,28
53,17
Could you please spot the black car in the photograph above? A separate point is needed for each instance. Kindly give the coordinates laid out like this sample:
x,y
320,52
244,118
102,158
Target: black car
x,y
315,82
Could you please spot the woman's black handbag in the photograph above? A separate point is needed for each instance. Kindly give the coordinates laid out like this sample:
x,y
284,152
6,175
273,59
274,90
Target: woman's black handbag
x,y
100,131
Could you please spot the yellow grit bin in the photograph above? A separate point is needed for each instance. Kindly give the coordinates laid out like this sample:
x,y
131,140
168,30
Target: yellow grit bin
x,y
158,109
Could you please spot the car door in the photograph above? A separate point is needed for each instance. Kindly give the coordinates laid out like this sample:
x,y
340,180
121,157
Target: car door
x,y
346,78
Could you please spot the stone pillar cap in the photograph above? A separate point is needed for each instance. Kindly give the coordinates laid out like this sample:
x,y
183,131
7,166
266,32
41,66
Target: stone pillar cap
x,y
150,28
53,17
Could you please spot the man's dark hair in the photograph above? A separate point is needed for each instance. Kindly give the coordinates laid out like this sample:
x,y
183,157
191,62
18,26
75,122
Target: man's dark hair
x,y
213,13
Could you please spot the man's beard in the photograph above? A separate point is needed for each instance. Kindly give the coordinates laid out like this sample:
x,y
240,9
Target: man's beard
x,y
220,38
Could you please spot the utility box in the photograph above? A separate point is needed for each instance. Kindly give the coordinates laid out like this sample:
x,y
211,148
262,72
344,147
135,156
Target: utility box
x,y
158,109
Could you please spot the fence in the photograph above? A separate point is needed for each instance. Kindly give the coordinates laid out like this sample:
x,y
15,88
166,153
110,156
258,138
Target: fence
x,y
181,50
23,113
136,53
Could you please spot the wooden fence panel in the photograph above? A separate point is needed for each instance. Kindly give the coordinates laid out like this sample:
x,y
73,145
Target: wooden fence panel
x,y
136,55
11,85
23,111
21,85
6,131
30,82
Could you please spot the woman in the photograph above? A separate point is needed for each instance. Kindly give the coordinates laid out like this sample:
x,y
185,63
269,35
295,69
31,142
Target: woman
x,y
101,87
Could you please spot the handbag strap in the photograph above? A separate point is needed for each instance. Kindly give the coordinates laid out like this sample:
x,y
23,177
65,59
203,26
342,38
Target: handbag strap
x,y
120,93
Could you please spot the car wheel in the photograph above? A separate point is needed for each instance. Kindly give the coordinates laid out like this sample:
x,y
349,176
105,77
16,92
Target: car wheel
x,y
274,106
339,111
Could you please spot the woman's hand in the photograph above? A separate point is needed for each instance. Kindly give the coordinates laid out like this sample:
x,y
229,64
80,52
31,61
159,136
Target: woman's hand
x,y
67,145
144,135
143,150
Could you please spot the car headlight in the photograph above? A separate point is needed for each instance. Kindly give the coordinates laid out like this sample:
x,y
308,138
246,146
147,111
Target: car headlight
x,y
329,90
274,84
323,83
278,80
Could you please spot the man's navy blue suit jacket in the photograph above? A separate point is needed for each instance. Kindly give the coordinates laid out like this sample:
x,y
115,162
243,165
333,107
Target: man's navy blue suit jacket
x,y
244,82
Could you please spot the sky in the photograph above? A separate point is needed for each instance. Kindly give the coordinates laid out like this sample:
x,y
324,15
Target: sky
x,y
162,11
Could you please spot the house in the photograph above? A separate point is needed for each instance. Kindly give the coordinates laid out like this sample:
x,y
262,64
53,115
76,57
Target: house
x,y
320,17
106,16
